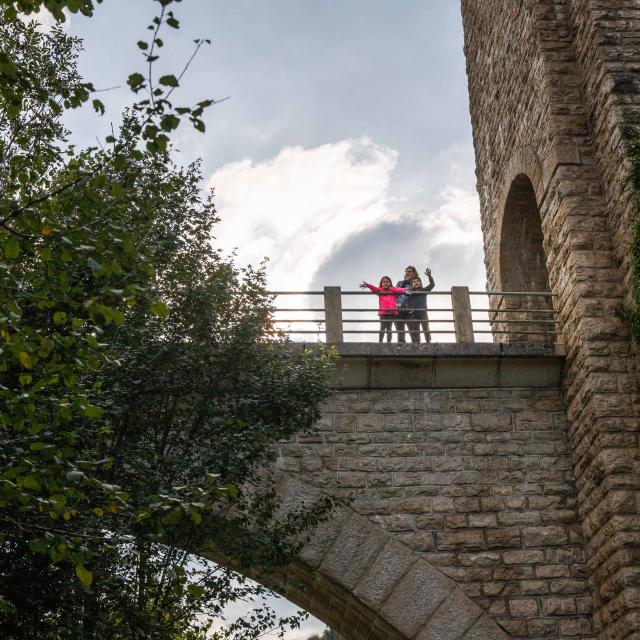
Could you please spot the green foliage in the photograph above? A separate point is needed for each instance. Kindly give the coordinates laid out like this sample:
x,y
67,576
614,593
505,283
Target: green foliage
x,y
632,316
141,382
327,634
155,106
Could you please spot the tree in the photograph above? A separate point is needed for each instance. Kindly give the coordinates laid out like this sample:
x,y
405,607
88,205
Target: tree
x,y
327,634
141,382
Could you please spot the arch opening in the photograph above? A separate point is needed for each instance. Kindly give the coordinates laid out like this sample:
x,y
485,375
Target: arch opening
x,y
353,576
523,269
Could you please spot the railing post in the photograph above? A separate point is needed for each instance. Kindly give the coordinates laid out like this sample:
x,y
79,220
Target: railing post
x,y
461,303
333,314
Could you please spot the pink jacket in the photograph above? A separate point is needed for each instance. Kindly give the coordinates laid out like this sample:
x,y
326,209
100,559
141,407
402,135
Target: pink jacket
x,y
387,304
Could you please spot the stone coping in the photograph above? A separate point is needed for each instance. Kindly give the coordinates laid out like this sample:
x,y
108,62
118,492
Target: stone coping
x,y
450,350
447,366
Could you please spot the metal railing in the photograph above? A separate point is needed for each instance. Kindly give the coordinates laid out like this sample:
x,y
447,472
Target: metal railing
x,y
458,315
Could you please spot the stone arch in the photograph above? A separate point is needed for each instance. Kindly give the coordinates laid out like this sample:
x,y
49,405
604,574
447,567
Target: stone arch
x,y
522,258
355,577
521,263
524,162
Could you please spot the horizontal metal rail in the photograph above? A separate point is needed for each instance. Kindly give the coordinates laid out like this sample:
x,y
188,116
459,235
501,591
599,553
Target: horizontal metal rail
x,y
515,310
360,310
431,322
396,332
520,333
515,315
518,321
522,294
298,331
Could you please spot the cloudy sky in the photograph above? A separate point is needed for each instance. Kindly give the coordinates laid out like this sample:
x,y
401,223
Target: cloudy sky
x,y
344,151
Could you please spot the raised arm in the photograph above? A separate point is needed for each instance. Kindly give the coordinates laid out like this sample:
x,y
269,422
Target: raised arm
x,y
432,282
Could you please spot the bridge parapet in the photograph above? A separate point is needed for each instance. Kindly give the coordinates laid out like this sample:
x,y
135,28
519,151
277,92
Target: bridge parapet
x,y
458,315
448,365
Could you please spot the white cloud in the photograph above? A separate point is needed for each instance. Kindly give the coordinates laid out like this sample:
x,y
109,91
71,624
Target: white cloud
x,y
299,206
455,220
46,20
325,216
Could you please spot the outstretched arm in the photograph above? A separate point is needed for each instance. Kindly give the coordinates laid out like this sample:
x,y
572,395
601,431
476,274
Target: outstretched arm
x,y
366,285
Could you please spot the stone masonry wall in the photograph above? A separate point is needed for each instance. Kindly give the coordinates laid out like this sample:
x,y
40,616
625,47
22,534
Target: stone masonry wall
x,y
546,79
478,482
607,43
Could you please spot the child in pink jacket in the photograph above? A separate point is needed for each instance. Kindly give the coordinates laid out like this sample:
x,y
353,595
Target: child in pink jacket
x,y
387,305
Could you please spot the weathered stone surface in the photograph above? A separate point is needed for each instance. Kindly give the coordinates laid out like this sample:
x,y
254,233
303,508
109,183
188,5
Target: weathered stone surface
x,y
416,598
483,629
389,567
557,211
452,619
353,551
454,478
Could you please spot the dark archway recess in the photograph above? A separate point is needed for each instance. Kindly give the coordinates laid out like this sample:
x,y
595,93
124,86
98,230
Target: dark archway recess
x,y
523,269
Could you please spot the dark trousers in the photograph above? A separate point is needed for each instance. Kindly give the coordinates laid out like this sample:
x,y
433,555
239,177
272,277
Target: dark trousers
x,y
386,326
401,320
418,320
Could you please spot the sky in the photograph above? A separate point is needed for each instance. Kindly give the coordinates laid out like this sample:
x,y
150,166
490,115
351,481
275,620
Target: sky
x,y
343,152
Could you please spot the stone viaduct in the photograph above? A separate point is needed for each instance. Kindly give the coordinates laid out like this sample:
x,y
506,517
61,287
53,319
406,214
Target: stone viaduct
x,y
496,487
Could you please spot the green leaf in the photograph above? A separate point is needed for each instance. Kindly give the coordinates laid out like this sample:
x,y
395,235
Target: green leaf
x,y
91,411
135,81
159,309
195,590
30,482
143,45
37,545
84,575
59,317
25,360
168,81
169,122
11,249
232,490
5,605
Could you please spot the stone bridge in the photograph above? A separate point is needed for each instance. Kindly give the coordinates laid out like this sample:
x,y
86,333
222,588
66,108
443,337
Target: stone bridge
x,y
496,487
463,521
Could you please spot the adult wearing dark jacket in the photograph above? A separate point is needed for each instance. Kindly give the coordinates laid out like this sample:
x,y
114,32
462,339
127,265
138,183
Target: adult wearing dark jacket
x,y
416,308
403,307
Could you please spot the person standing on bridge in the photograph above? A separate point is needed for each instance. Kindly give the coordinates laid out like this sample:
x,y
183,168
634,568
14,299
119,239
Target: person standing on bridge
x,y
417,308
403,301
387,305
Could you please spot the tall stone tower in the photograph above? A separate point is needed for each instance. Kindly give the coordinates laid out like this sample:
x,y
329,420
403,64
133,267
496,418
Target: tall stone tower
x,y
551,84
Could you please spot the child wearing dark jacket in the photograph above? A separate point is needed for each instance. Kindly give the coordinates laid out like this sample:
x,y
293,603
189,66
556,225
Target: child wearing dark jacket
x,y
416,308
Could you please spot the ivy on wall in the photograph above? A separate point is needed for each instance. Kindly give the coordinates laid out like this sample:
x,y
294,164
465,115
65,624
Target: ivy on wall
x,y
631,135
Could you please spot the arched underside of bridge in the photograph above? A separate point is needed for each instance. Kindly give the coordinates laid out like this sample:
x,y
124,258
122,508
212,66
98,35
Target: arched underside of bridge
x,y
356,578
462,520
